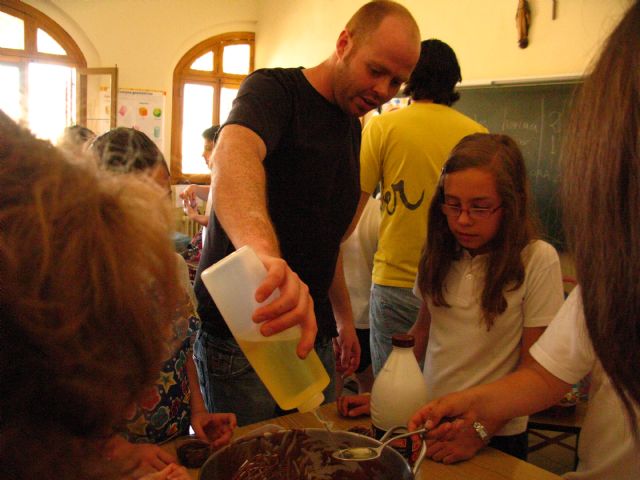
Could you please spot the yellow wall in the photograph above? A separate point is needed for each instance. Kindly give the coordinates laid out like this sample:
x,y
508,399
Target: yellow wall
x,y
146,38
482,32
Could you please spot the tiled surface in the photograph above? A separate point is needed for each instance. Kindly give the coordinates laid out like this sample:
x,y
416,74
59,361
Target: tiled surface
x,y
554,458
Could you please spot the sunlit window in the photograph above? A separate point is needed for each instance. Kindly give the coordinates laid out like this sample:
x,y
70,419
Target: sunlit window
x,y
11,31
204,63
206,81
236,59
198,111
46,44
37,74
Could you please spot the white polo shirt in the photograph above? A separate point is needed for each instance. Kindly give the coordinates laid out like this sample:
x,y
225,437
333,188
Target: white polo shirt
x,y
607,449
461,353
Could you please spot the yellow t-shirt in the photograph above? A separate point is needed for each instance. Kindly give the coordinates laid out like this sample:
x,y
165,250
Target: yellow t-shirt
x,y
404,150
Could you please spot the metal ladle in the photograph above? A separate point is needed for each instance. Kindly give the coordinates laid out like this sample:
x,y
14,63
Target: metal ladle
x,y
361,454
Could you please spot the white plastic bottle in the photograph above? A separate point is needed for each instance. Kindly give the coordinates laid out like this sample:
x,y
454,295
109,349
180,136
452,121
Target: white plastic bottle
x,y
398,390
292,382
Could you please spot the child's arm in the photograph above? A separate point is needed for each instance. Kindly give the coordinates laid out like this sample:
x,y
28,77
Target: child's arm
x,y
420,332
192,213
529,389
216,428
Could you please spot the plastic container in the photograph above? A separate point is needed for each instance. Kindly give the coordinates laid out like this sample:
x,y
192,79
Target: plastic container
x,y
398,391
291,381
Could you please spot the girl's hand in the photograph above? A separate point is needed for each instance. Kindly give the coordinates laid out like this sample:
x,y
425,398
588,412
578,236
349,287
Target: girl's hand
x,y
140,457
214,428
351,406
463,443
170,472
457,405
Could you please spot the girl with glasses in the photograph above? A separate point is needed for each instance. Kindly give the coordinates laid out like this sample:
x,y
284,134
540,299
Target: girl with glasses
x,y
598,328
489,285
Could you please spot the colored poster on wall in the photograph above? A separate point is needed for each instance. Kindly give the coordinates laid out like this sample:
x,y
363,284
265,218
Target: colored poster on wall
x,y
143,110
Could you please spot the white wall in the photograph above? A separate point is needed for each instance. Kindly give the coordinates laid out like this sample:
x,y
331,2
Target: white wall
x,y
146,38
482,32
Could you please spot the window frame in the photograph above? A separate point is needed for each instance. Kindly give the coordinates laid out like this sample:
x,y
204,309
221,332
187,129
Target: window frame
x,y
216,78
33,20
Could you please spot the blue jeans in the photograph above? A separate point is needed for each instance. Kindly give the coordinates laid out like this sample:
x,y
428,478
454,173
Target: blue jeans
x,y
391,310
229,383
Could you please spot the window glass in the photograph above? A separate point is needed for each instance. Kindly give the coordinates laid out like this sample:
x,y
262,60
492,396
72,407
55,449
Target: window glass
x,y
10,90
51,99
236,59
203,63
46,44
11,31
197,116
226,100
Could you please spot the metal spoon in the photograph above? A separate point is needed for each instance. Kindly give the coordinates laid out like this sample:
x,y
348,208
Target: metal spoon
x,y
361,454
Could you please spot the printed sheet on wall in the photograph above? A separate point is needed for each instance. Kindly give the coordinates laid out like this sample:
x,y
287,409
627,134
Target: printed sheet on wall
x,y
143,110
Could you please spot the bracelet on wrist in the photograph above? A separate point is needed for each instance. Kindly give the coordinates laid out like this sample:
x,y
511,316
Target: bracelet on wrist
x,y
482,432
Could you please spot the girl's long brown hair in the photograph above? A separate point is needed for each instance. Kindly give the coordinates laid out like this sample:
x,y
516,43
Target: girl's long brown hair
x,y
499,155
601,193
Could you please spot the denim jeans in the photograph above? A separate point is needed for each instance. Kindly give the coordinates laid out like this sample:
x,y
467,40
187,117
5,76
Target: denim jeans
x,y
229,383
391,310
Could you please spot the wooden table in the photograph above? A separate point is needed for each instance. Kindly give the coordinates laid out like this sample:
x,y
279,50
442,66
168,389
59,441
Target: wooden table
x,y
489,464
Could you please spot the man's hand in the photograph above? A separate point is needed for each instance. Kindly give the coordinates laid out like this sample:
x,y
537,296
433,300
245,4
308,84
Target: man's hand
x,y
294,306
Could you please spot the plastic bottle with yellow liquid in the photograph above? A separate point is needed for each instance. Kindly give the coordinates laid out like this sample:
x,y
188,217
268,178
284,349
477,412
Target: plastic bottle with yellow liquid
x,y
291,381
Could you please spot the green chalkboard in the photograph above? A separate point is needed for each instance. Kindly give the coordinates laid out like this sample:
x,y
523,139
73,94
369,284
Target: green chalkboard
x,y
534,115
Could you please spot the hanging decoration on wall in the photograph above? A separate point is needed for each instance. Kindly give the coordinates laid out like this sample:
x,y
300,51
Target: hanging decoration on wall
x,y
523,20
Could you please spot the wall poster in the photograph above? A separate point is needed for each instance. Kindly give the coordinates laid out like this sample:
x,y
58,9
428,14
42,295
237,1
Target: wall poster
x,y
143,110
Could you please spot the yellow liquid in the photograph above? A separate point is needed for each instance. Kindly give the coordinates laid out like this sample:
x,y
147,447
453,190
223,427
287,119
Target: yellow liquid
x,y
289,379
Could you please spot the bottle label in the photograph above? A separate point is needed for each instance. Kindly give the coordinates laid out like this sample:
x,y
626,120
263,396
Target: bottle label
x,y
405,446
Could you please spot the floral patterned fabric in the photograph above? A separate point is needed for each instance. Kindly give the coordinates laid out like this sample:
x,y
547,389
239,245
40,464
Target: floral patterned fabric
x,y
165,411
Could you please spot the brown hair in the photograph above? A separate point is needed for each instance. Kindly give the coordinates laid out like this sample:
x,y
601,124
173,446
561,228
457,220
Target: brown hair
x,y
601,189
499,155
87,291
368,18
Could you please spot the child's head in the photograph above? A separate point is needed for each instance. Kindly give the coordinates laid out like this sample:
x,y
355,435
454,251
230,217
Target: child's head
x,y
126,150
481,204
483,194
87,290
75,139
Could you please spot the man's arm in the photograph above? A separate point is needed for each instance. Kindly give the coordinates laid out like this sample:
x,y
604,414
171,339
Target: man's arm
x,y
346,346
238,183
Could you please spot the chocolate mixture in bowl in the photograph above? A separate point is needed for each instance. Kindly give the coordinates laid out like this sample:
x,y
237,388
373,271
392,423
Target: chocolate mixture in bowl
x,y
299,455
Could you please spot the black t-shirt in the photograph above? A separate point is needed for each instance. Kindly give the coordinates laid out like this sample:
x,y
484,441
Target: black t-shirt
x,y
313,184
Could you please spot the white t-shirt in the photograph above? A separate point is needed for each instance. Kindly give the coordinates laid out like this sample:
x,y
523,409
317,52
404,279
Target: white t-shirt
x,y
461,353
357,257
607,449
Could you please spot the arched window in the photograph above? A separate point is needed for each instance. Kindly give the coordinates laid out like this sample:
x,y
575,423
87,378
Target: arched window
x,y
38,62
205,82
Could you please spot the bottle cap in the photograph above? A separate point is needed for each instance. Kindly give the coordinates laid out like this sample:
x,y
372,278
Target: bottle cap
x,y
403,340
311,403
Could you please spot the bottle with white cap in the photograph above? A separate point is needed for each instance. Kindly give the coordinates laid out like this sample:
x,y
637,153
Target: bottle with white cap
x,y
292,382
399,390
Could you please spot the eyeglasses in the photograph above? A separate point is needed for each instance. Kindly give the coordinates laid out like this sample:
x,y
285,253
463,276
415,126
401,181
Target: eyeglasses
x,y
475,213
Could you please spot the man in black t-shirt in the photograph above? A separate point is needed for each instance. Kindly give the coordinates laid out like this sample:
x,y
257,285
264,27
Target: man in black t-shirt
x,y
285,181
